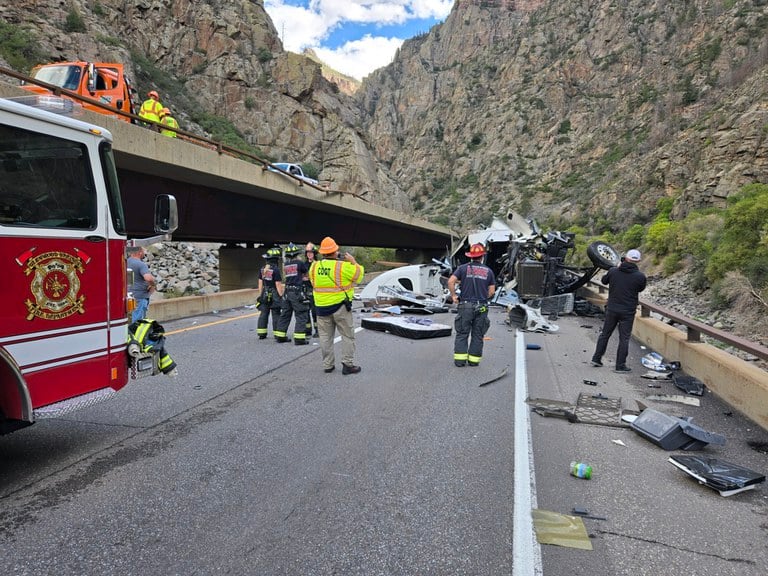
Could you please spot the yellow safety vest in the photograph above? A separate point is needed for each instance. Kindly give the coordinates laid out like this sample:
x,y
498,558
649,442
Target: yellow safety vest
x,y
169,121
333,281
150,110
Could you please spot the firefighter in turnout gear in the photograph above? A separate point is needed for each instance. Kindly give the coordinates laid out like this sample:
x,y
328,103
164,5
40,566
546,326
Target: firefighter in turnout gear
x,y
270,294
478,285
295,300
310,252
149,336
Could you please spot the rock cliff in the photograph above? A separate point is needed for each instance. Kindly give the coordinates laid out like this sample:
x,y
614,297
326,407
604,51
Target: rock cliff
x,y
583,112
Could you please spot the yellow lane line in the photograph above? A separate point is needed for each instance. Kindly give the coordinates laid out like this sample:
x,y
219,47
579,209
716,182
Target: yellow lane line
x,y
180,330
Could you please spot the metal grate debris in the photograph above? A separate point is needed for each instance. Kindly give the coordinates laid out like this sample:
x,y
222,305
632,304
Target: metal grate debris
x,y
599,409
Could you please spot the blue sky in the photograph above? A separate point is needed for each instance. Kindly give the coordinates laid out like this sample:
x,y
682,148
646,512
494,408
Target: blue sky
x,y
353,36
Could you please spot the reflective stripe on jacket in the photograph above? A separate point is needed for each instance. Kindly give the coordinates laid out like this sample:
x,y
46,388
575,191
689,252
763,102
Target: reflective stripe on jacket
x,y
333,281
169,121
150,110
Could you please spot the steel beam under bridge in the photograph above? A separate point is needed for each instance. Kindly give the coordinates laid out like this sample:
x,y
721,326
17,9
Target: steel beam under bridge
x,y
226,199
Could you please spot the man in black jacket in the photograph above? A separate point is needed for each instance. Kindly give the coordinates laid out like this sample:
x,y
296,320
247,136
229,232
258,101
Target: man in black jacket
x,y
624,282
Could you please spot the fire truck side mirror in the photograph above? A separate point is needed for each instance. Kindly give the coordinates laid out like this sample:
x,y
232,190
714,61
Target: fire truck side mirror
x,y
166,214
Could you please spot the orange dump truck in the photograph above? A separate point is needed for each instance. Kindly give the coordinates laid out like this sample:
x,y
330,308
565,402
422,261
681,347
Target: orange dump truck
x,y
102,81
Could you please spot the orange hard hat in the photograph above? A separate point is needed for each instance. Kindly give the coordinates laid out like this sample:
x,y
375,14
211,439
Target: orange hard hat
x,y
328,246
152,93
164,111
476,251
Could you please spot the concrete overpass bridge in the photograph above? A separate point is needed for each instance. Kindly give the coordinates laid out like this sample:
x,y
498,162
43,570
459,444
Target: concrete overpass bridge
x,y
241,204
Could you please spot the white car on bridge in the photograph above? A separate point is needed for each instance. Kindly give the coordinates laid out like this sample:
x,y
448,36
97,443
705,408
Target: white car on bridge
x,y
294,169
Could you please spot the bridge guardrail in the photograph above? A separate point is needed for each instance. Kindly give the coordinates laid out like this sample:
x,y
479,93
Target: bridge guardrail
x,y
219,147
694,328
740,383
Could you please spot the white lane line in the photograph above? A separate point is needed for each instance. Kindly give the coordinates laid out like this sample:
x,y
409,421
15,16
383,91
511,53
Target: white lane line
x,y
526,551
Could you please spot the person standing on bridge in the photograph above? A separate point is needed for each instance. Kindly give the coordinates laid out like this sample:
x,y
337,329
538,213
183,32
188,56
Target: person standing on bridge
x,y
270,294
167,120
478,285
143,282
310,252
151,108
333,283
625,282
295,300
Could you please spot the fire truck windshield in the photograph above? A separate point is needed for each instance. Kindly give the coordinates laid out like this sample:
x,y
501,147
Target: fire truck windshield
x,y
45,181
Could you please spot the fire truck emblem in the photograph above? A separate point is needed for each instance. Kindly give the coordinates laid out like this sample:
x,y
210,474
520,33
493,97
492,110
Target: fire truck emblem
x,y
55,283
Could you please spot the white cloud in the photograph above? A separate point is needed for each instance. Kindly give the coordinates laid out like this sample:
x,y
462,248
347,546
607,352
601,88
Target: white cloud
x,y
358,58
309,26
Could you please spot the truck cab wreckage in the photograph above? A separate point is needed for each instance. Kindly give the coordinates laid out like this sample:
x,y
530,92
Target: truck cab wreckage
x,y
531,269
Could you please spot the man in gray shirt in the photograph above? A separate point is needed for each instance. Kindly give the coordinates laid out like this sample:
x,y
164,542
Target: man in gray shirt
x,y
143,282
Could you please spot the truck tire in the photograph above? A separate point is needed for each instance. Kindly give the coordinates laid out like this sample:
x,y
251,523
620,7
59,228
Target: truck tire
x,y
603,255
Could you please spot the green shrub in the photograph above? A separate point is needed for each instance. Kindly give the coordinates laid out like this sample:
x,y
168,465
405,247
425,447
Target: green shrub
x,y
743,241
74,21
19,47
633,237
661,237
367,257
264,55
311,170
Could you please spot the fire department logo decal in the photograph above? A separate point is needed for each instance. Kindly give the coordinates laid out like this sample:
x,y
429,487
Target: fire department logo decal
x,y
55,283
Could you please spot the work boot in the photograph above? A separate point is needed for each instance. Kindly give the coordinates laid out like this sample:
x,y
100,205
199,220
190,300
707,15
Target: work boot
x,y
596,363
350,369
281,339
329,370
262,336
473,364
460,363
622,369
300,342
316,335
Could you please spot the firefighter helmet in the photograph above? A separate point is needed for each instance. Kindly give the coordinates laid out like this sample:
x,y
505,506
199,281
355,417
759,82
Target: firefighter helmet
x,y
292,249
476,251
328,246
272,254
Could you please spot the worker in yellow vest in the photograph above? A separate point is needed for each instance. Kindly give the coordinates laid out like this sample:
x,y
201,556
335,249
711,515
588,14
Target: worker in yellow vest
x,y
333,281
167,120
151,108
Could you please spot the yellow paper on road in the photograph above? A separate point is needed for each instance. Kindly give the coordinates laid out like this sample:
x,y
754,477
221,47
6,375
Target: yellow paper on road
x,y
560,530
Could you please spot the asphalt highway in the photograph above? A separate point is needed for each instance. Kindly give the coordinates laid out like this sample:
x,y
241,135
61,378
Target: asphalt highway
x,y
254,461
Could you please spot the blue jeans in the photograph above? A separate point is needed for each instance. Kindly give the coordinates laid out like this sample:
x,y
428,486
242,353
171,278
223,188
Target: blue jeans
x,y
142,305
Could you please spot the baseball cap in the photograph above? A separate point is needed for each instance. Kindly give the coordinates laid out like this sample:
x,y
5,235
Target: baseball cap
x,y
633,256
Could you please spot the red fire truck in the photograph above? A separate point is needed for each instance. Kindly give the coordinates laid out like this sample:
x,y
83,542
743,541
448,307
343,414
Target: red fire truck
x,y
64,314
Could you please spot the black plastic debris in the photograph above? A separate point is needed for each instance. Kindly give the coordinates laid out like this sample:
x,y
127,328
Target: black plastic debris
x,y
582,307
725,477
673,433
688,384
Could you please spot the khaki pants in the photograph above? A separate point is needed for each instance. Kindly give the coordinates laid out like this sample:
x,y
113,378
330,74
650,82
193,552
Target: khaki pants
x,y
326,328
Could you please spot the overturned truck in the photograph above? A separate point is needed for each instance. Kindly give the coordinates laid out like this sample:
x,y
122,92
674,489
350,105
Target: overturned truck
x,y
531,262
528,263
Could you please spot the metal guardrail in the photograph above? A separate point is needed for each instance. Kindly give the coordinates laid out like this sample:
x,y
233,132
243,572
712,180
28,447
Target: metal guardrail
x,y
695,329
219,147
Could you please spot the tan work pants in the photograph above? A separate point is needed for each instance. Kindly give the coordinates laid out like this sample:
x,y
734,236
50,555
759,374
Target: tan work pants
x,y
326,328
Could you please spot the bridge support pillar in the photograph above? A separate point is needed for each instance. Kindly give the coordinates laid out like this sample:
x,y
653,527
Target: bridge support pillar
x,y
239,267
